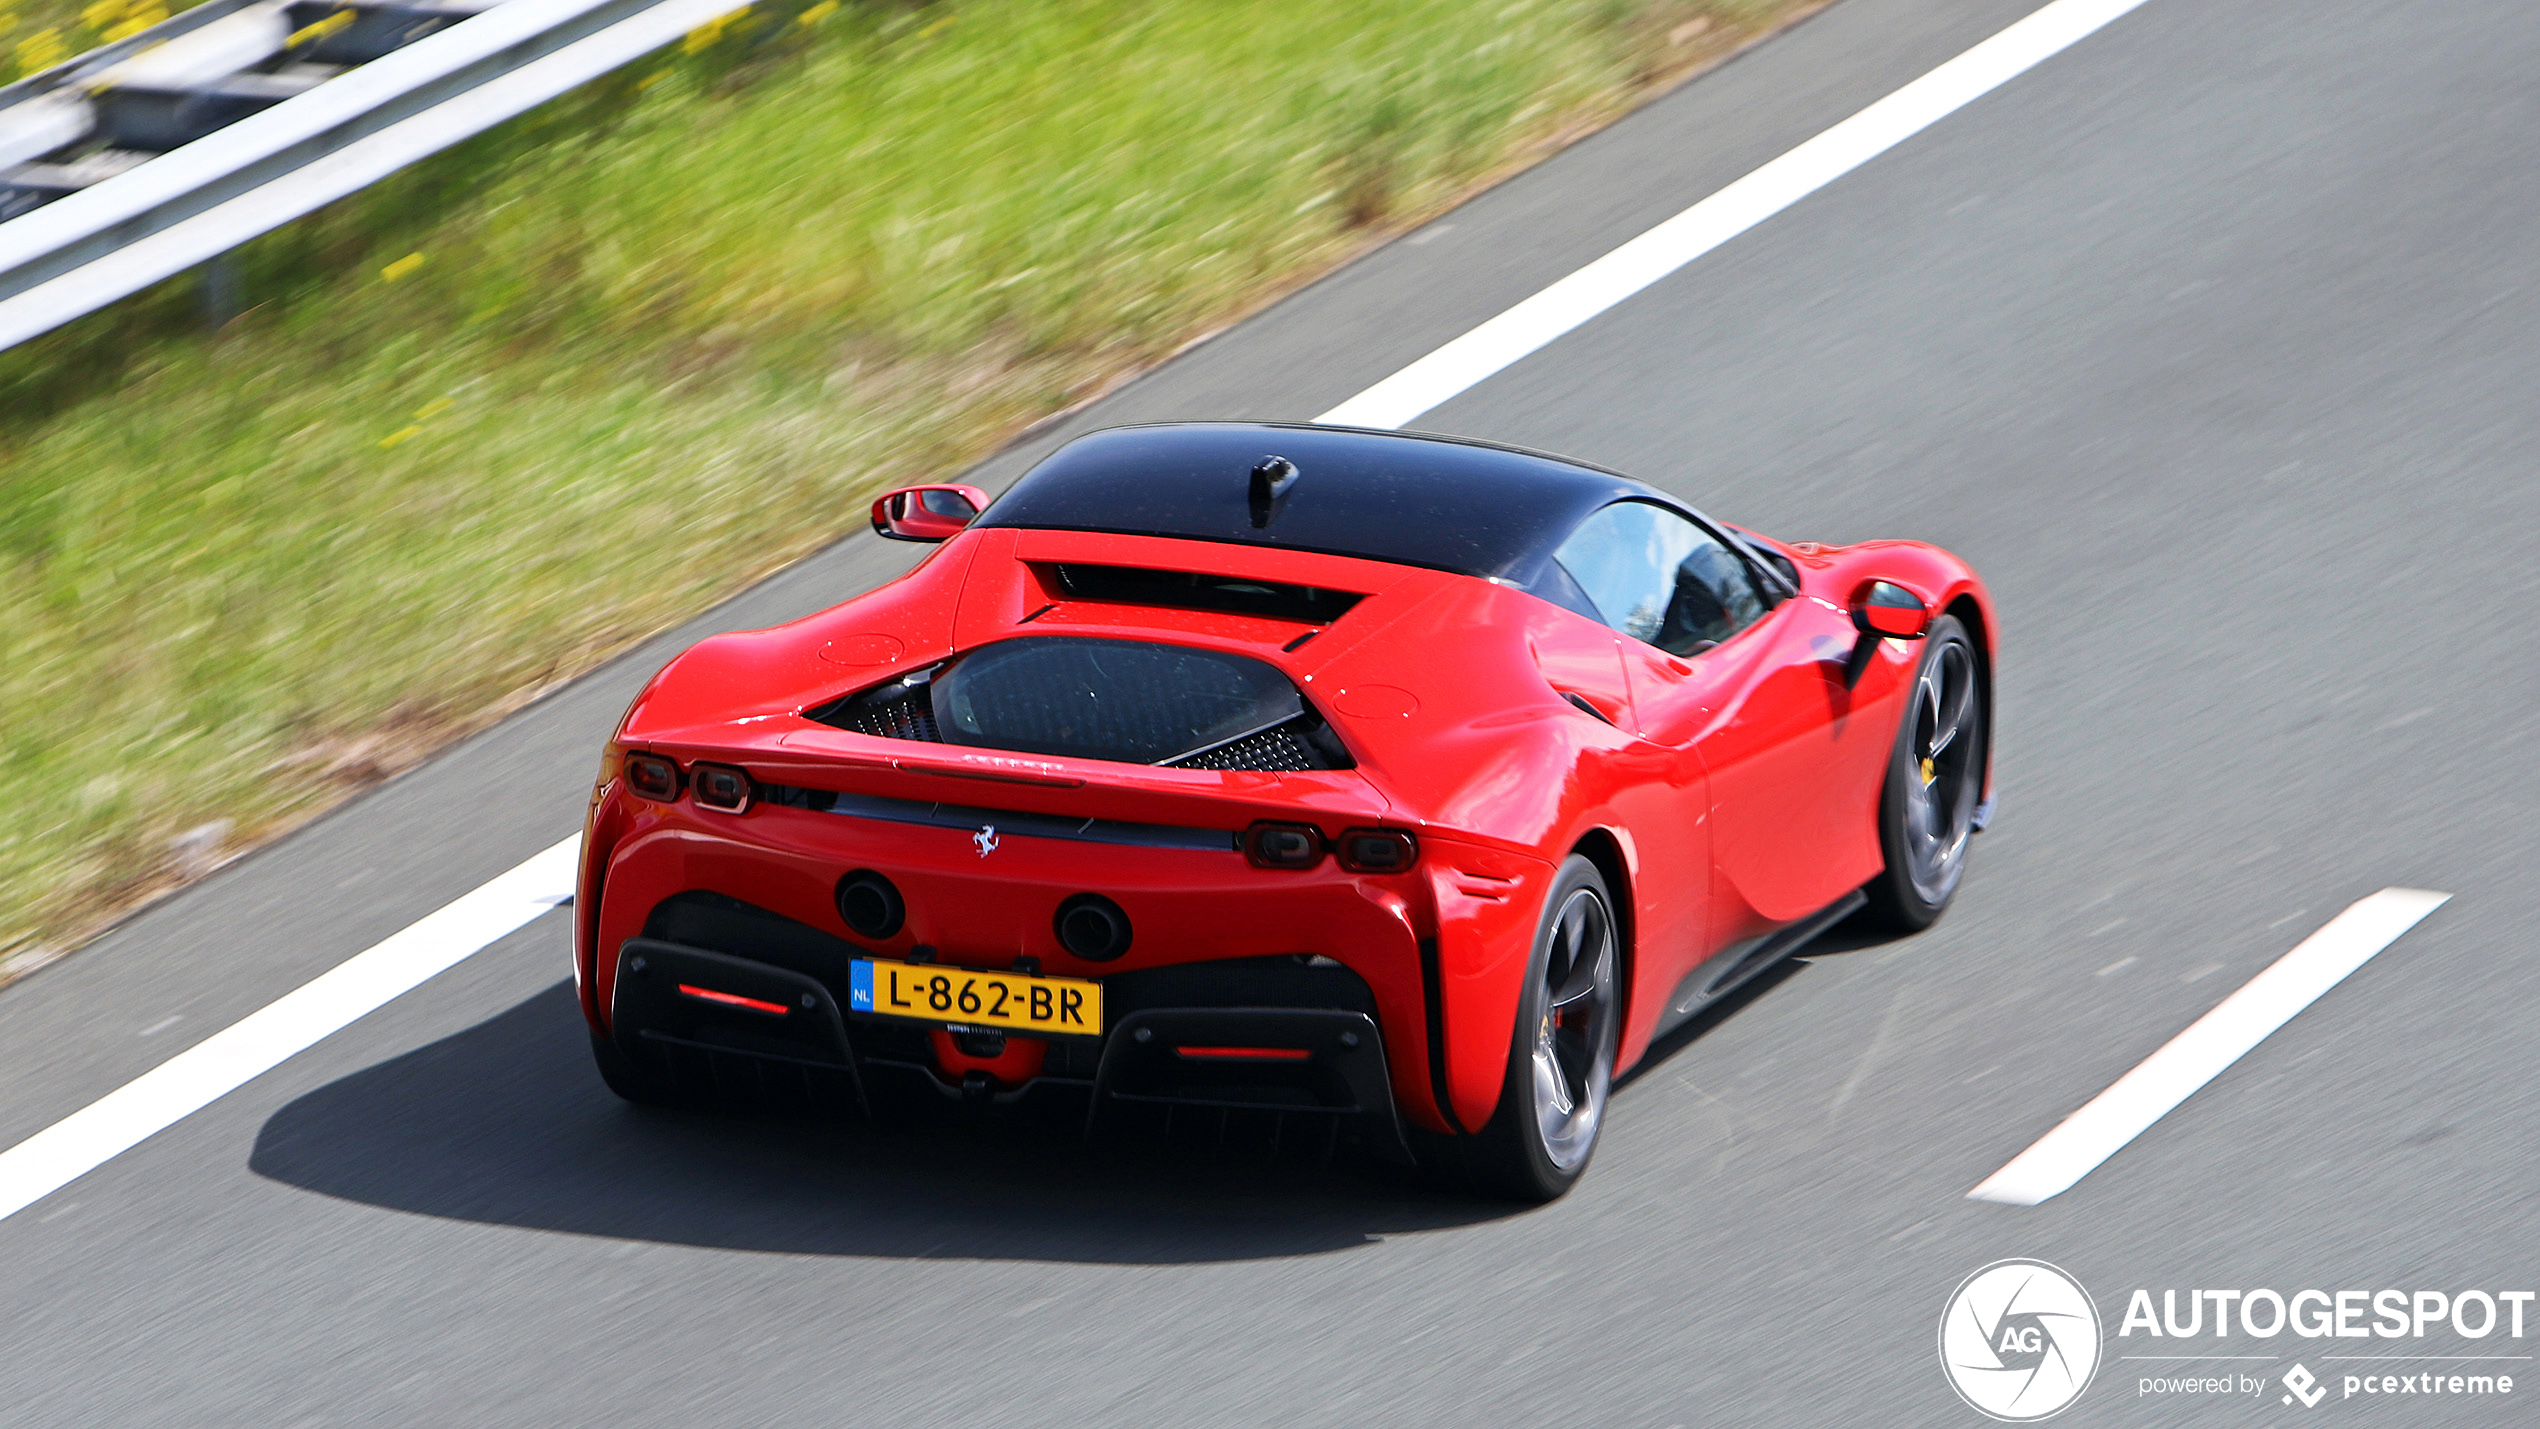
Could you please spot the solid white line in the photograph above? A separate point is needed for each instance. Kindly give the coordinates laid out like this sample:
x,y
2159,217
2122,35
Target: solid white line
x,y
2196,1056
1502,341
88,1138
236,1055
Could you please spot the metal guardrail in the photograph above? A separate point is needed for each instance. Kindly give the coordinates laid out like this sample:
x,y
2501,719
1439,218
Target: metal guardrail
x,y
287,134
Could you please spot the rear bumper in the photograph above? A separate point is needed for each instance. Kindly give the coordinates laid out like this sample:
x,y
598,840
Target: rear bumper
x,y
1324,1061
1190,909
694,1017
676,1004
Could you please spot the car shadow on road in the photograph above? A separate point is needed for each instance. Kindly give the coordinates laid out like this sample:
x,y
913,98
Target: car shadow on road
x,y
1852,935
506,1123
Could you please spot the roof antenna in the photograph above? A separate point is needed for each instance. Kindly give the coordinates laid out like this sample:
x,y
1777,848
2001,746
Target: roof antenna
x,y
1273,477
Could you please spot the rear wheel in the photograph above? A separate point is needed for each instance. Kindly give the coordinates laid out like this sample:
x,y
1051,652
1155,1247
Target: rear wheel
x,y
1561,1056
1934,779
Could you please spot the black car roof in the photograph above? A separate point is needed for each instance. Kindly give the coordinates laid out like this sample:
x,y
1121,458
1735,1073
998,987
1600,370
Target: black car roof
x,y
1441,502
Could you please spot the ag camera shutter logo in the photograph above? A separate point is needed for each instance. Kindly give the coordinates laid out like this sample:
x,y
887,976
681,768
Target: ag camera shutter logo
x,y
2020,1340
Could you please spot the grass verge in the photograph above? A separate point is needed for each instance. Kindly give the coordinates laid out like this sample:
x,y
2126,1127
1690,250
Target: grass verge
x,y
513,409
39,34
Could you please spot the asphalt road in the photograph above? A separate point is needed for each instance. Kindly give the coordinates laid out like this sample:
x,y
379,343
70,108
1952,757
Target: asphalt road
x,y
2211,342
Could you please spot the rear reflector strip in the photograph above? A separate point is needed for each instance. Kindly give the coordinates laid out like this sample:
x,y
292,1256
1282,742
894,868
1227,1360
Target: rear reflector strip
x,y
1244,1054
734,999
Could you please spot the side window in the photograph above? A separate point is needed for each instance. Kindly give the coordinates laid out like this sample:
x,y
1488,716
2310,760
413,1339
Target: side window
x,y
1655,576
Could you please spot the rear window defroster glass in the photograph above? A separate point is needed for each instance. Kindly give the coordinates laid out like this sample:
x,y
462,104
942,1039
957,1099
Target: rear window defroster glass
x,y
1123,700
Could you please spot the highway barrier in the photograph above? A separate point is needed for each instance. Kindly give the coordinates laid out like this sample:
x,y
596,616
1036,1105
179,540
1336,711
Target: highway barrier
x,y
163,151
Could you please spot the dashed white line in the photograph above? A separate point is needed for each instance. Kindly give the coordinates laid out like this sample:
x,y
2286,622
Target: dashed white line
x,y
2196,1056
264,1039
1530,325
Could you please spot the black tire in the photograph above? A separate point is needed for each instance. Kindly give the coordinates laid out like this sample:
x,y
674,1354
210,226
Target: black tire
x,y
1561,1051
1935,777
630,1080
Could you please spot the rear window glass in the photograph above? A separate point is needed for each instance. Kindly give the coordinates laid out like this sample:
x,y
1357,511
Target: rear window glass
x,y
1124,700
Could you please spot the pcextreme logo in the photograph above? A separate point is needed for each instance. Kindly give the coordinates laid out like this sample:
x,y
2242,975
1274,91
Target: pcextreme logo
x,y
2019,1340
2442,1354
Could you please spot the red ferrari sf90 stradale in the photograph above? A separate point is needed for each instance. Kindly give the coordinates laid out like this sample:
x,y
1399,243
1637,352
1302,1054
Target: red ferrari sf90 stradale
x,y
1402,783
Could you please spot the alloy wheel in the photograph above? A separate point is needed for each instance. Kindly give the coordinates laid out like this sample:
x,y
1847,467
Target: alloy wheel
x,y
1940,793
1574,1037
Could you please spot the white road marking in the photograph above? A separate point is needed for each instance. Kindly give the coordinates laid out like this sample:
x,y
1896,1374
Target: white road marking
x,y
264,1039
1571,302
2196,1056
192,1080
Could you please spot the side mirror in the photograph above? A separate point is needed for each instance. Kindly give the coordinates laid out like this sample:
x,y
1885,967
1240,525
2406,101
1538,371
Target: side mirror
x,y
1886,610
927,513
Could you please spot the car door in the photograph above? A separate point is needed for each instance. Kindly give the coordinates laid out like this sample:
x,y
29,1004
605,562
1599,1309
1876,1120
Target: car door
x,y
1618,569
1744,681
1655,793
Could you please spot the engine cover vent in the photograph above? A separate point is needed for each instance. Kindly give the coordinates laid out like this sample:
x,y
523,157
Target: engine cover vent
x,y
1289,747
902,709
1129,701
1186,590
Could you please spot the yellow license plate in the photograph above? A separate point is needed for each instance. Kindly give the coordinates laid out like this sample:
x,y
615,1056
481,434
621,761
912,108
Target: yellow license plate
x,y
931,992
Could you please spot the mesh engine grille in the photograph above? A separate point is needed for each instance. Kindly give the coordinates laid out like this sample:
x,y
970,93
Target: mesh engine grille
x,y
912,716
906,710
1132,701
1271,751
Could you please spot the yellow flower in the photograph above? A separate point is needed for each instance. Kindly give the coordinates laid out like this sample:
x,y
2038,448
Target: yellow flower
x,y
400,435
41,50
712,30
401,267
817,13
101,14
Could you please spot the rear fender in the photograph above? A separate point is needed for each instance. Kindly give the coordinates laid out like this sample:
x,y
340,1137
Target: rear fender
x,y
1486,906
1488,903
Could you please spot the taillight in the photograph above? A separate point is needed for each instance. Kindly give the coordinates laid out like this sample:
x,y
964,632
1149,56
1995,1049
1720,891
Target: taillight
x,y
652,776
1283,845
1376,850
720,786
